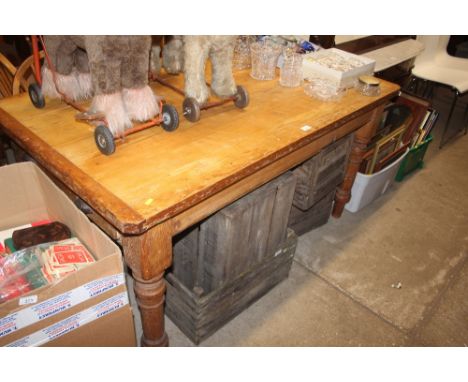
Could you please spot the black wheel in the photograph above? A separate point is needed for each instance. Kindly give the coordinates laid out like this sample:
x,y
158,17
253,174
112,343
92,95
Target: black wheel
x,y
191,109
170,118
104,140
241,98
35,94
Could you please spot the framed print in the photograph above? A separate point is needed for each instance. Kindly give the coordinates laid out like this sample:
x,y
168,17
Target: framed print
x,y
389,159
386,146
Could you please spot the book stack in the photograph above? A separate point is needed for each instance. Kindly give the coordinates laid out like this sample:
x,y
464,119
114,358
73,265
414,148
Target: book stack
x,y
425,128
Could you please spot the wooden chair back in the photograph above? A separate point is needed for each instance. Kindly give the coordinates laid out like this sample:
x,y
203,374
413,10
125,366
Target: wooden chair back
x,y
24,75
7,73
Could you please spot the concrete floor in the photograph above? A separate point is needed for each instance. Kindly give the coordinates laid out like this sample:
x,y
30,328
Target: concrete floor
x,y
339,291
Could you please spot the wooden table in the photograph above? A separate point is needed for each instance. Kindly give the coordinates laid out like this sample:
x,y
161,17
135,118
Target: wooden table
x,y
157,183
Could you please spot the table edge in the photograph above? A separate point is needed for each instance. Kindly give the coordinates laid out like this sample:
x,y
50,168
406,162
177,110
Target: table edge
x,y
124,218
127,220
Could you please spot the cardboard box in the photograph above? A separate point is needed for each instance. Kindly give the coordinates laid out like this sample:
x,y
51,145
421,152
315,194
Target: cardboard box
x,y
343,79
88,307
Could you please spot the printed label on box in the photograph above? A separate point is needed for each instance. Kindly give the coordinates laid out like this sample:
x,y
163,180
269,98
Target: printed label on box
x,y
98,287
73,322
8,324
52,306
28,300
60,328
57,304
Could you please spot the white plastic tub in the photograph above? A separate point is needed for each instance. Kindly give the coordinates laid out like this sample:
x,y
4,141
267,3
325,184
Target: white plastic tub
x,y
367,188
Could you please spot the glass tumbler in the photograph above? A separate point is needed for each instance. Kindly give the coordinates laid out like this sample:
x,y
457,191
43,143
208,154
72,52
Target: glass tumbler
x,y
291,71
264,58
241,56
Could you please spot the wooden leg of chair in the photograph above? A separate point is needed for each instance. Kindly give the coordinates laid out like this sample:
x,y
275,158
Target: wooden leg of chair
x,y
464,118
431,91
416,86
447,124
427,89
421,87
410,84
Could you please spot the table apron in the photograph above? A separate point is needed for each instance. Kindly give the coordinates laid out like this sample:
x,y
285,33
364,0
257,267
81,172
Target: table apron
x,y
233,192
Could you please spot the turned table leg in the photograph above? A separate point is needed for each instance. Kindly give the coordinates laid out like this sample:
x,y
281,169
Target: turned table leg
x,y
150,298
361,138
149,255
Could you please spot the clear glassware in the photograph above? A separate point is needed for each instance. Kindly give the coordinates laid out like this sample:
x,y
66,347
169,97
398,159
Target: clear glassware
x,y
368,86
323,90
264,56
241,57
291,70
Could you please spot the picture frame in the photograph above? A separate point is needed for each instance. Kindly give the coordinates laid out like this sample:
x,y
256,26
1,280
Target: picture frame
x,y
392,157
366,161
419,107
393,117
387,145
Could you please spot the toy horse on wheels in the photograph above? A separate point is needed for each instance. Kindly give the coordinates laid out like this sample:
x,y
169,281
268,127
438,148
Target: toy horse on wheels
x,y
188,54
114,71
